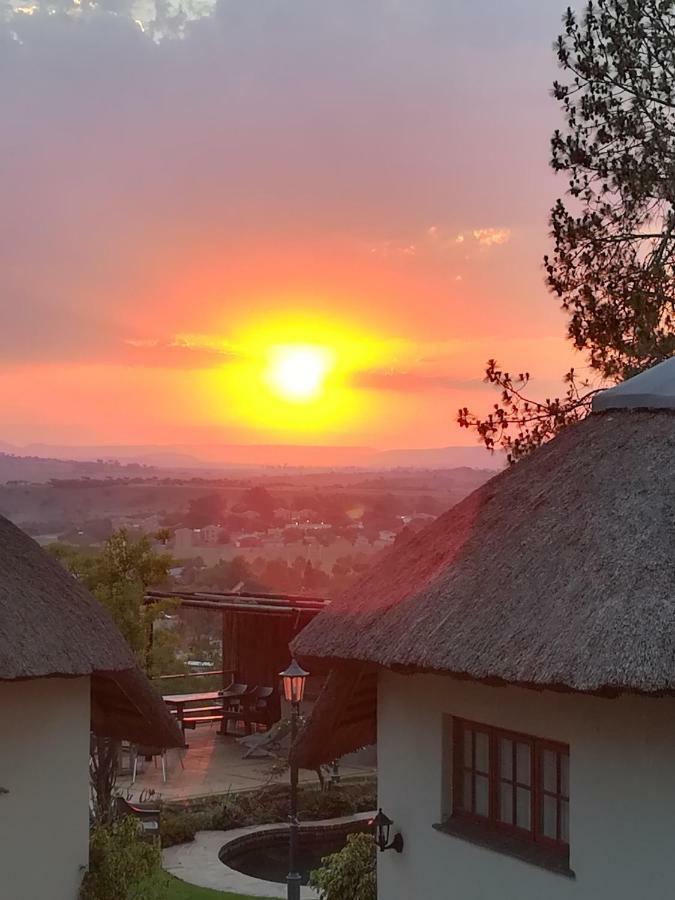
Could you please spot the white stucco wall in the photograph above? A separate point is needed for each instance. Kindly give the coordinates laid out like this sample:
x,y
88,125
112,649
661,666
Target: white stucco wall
x,y
44,819
622,793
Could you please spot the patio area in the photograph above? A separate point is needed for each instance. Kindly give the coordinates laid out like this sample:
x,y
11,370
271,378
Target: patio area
x,y
214,764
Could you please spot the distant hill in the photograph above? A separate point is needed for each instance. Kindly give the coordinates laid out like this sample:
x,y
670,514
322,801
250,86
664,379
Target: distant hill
x,y
222,456
204,456
38,469
438,458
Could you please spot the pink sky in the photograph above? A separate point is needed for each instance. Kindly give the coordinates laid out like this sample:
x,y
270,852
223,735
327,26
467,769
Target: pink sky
x,y
380,167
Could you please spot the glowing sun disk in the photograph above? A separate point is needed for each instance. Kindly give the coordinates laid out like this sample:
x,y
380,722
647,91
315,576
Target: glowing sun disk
x,y
297,372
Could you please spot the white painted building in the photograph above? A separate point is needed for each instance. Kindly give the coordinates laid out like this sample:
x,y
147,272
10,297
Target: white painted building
x,y
44,822
515,661
183,540
210,534
65,672
621,790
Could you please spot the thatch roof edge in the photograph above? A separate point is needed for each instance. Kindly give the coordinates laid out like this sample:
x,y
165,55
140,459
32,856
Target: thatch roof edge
x,y
557,573
126,706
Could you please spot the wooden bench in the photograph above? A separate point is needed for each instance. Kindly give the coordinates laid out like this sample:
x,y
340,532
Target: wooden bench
x,y
202,714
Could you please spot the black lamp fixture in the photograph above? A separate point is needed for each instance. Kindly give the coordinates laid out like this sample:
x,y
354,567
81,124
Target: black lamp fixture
x,y
293,679
382,825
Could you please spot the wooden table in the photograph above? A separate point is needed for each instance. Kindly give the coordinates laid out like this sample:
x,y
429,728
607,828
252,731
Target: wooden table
x,y
180,701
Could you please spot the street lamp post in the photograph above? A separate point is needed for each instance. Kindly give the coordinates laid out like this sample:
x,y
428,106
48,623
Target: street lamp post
x,y
293,679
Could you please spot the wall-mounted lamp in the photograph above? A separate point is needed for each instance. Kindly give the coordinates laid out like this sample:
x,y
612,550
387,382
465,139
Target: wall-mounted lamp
x,y
382,825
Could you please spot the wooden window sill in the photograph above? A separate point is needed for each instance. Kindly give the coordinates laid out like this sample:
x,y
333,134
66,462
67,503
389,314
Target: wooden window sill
x,y
509,844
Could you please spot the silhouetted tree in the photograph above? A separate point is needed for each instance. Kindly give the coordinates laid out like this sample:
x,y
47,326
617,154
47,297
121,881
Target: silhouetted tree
x,y
613,261
206,510
314,578
259,500
118,576
163,535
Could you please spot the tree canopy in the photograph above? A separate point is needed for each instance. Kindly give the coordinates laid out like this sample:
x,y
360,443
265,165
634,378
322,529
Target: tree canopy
x,y
118,576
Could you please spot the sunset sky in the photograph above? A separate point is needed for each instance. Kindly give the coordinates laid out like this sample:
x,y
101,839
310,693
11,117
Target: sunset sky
x,y
274,220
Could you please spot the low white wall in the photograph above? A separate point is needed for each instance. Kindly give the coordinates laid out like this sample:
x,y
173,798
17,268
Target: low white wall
x,y
622,793
44,819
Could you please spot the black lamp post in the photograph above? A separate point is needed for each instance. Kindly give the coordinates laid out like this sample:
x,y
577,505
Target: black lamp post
x,y
382,825
293,680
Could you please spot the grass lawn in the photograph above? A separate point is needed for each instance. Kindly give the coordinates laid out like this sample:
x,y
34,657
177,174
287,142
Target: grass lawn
x,y
180,890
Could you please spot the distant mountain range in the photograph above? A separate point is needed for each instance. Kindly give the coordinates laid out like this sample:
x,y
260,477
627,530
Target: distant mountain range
x,y
115,459
438,458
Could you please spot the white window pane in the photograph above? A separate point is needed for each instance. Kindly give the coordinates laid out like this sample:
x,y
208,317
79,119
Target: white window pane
x,y
523,808
506,803
482,752
565,821
550,771
549,824
506,758
565,774
523,768
467,801
467,748
482,795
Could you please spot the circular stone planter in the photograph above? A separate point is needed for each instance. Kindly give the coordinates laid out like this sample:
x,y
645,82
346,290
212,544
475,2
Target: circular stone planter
x,y
200,861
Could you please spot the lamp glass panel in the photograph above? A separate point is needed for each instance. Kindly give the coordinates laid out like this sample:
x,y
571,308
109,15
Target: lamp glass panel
x,y
298,688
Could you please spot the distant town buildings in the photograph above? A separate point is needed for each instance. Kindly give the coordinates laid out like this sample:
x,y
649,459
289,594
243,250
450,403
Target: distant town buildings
x,y
211,534
182,540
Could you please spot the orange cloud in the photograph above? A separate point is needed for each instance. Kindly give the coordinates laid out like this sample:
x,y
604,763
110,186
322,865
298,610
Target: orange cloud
x,y
489,237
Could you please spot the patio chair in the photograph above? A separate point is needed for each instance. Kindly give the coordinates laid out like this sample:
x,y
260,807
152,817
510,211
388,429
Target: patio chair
x,y
268,743
152,753
264,710
233,694
238,706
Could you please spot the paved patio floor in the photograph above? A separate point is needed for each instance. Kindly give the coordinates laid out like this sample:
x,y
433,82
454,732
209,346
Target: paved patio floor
x,y
214,764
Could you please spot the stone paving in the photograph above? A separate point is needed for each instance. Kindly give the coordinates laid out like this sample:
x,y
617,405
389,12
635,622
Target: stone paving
x,y
214,765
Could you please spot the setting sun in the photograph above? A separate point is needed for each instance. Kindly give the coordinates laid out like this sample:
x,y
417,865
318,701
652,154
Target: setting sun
x,y
297,372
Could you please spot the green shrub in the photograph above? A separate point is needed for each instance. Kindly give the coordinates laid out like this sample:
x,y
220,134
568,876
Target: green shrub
x,y
349,873
122,866
270,804
179,826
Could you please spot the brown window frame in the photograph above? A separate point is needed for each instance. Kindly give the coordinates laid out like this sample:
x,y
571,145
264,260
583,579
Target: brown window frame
x,y
537,748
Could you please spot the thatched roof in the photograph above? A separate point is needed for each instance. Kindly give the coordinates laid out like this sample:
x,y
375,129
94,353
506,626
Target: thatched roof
x,y
50,625
344,717
125,706
557,572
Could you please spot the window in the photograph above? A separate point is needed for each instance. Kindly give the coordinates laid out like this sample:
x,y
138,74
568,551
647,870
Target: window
x,y
513,782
